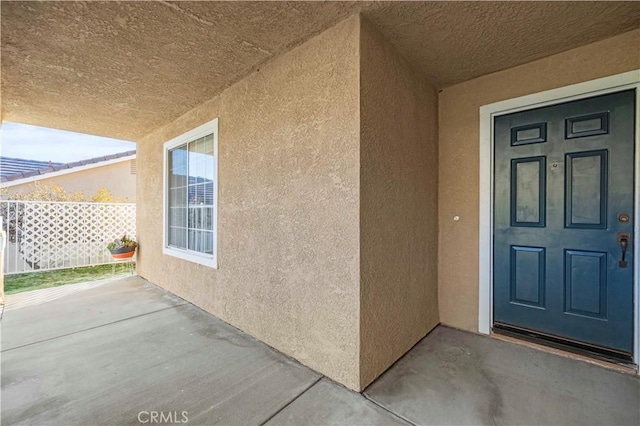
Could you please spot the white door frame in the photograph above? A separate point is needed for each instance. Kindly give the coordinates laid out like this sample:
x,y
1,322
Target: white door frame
x,y
614,83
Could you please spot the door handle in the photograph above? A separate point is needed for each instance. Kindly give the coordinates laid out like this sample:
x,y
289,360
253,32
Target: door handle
x,y
623,241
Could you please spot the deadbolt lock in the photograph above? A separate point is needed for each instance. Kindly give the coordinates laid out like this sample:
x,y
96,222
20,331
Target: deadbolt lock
x,y
623,218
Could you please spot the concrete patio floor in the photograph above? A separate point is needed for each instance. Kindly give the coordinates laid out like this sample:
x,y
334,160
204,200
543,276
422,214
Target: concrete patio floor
x,y
108,353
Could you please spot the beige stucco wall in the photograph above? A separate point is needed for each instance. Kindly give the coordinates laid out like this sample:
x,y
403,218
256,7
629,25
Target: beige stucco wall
x,y
459,156
116,177
327,205
333,229
398,205
288,228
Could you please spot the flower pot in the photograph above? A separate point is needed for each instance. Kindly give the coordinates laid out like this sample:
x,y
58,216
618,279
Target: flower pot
x,y
123,253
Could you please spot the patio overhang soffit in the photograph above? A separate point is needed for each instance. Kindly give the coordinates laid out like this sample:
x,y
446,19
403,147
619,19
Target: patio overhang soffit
x,y
122,69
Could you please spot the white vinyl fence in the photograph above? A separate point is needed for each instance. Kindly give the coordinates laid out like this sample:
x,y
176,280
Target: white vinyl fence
x,y
45,235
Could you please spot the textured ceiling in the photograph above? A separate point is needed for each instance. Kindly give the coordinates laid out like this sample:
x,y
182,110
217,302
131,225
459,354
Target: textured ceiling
x,y
123,69
456,41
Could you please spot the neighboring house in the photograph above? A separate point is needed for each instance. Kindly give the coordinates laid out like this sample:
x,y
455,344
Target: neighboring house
x,y
116,172
383,167
18,166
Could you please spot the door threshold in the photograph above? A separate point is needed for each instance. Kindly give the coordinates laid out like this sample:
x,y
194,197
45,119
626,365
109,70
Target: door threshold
x,y
565,351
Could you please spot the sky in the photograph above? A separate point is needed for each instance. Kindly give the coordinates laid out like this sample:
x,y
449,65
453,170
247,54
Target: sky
x,y
57,146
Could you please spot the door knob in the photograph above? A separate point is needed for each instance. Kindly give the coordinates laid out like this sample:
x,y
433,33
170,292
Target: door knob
x,y
623,241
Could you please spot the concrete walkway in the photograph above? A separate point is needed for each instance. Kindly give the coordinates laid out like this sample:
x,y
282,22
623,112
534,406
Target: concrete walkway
x,y
457,378
125,351
115,353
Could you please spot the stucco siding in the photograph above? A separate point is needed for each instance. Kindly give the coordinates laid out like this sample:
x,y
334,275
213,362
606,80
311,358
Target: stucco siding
x,y
459,156
398,205
288,224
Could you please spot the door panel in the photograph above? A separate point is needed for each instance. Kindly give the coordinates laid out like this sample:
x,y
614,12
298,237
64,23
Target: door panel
x,y
563,175
528,191
586,283
586,189
527,275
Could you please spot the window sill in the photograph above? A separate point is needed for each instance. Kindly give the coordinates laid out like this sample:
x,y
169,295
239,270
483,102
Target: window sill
x,y
204,260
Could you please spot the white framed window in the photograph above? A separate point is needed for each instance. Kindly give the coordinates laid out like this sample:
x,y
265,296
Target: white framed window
x,y
191,195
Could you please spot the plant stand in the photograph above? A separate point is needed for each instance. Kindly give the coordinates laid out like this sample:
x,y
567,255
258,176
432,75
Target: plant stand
x,y
130,262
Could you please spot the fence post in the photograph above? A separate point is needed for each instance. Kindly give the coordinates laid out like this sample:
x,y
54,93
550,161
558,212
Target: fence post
x,y
3,244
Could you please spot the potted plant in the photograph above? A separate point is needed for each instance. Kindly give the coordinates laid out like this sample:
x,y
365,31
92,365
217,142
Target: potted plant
x,y
122,248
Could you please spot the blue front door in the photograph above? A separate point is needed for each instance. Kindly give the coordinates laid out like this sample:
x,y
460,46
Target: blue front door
x,y
563,221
